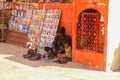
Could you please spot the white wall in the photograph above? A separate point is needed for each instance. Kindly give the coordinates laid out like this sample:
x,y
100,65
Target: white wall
x,y
113,38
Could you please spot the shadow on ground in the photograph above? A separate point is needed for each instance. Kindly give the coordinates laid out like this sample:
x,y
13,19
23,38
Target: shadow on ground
x,y
17,56
20,59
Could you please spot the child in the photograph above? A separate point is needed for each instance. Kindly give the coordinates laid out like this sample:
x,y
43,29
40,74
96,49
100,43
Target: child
x,y
68,51
67,56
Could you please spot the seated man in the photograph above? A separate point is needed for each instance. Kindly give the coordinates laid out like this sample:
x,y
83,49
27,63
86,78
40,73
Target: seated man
x,y
58,43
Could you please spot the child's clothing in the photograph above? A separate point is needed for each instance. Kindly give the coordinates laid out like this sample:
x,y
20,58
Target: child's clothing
x,y
63,58
68,51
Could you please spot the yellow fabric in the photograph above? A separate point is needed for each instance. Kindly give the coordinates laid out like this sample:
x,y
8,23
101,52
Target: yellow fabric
x,y
68,51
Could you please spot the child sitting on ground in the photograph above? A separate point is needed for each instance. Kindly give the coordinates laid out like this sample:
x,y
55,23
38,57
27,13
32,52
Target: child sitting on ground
x,y
67,56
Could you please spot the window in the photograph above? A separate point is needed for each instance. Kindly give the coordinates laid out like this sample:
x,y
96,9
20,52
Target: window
x,y
89,34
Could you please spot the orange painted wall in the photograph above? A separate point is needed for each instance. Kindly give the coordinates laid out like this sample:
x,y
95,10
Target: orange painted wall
x,y
69,17
66,16
89,58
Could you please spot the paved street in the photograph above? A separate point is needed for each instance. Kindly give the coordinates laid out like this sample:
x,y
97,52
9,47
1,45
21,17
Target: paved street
x,y
11,69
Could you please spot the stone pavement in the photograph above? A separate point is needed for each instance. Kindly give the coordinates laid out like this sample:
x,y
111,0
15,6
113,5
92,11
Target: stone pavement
x,y
13,70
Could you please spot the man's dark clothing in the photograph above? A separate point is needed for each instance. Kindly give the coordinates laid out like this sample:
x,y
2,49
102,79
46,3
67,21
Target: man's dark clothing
x,y
58,43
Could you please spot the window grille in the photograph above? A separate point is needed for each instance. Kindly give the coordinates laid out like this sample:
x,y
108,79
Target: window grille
x,y
89,35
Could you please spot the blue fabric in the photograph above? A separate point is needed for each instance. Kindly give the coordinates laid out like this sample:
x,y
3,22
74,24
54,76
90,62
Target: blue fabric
x,y
56,0
47,60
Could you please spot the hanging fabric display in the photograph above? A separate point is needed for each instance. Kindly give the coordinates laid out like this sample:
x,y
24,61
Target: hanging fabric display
x,y
20,18
40,24
36,28
50,27
43,28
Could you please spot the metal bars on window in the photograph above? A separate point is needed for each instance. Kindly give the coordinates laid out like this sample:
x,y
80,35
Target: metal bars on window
x,y
88,32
